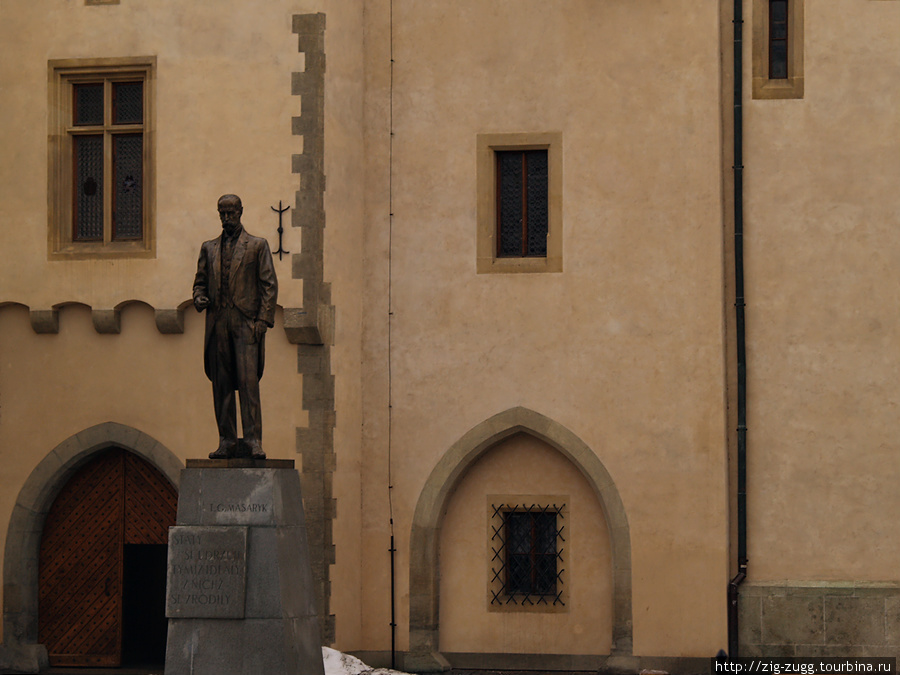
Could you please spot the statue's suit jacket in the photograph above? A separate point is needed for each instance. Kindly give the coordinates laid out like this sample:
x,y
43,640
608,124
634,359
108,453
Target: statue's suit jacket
x,y
252,281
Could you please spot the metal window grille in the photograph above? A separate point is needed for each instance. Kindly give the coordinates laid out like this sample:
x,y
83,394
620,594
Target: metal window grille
x,y
522,203
527,554
88,104
107,137
88,188
128,163
128,102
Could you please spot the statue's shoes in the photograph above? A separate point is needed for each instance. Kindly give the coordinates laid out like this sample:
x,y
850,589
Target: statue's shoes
x,y
256,451
223,452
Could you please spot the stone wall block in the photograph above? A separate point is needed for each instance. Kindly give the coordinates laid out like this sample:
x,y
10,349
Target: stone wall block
x,y
44,320
301,163
23,658
40,488
169,321
304,266
106,321
854,621
313,489
793,620
299,600
264,596
308,24
772,651
288,499
301,329
97,437
189,509
828,651
892,620
309,204
310,444
749,622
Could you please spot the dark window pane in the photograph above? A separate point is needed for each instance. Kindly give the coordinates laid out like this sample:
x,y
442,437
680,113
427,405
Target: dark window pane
x,y
531,552
545,574
88,188
545,533
88,104
509,204
778,39
778,62
519,574
128,102
518,534
779,11
128,176
537,210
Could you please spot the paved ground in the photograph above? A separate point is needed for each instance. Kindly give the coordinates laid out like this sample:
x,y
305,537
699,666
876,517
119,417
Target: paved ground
x,y
520,672
159,671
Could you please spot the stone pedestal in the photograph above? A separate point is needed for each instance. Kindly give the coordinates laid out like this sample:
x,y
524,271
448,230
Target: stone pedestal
x,y
240,595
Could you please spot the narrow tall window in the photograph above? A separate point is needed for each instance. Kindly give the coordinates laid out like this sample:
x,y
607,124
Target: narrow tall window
x,y
778,39
519,198
777,49
101,158
522,203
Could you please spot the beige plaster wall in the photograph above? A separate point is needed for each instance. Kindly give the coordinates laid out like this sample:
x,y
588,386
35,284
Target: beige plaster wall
x,y
529,468
222,123
624,347
822,215
55,386
343,269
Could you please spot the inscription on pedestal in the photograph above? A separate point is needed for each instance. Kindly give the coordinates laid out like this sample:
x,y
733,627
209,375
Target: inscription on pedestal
x,y
207,572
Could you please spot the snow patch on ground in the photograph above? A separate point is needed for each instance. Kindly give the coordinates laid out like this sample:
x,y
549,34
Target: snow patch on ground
x,y
337,663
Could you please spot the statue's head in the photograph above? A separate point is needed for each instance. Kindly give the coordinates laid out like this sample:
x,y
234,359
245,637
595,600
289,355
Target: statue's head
x,y
230,210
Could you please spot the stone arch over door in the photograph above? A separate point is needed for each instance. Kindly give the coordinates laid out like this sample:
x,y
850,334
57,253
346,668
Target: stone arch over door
x,y
424,574
23,539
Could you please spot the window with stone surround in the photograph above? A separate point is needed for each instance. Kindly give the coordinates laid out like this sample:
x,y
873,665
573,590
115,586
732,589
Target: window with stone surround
x,y
519,202
777,49
101,158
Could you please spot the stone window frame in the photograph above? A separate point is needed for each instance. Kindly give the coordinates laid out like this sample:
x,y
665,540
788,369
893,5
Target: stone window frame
x,y
495,578
763,86
63,74
487,145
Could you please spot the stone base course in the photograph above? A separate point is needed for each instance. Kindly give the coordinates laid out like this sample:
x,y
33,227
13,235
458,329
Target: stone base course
x,y
814,619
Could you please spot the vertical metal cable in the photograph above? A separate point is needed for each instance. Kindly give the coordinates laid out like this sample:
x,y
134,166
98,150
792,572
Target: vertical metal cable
x,y
392,549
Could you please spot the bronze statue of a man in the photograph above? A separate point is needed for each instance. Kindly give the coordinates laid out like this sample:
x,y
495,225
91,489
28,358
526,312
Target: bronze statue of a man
x,y
236,285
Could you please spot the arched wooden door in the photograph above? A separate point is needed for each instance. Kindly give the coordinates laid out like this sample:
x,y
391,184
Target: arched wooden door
x,y
112,515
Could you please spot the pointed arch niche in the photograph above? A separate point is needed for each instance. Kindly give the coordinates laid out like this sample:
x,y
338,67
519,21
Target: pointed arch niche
x,y
424,592
23,539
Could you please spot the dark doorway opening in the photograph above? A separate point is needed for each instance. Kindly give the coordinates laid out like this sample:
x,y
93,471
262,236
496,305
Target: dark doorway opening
x,y
144,622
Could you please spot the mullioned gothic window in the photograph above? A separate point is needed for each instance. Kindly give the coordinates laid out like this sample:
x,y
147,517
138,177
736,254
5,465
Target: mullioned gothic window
x,y
101,158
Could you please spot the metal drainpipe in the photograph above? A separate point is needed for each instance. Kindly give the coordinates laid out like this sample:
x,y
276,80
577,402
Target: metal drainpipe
x,y
733,646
